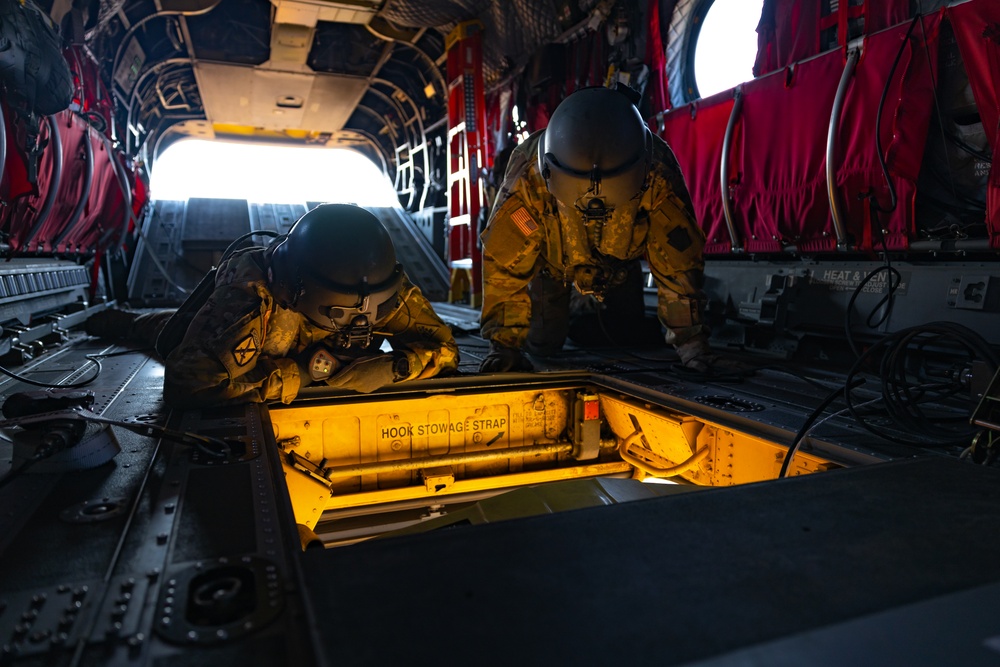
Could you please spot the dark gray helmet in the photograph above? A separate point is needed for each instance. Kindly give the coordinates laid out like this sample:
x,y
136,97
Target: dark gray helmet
x,y
337,266
596,151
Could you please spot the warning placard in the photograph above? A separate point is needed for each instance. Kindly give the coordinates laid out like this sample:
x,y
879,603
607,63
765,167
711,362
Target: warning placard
x,y
436,428
847,280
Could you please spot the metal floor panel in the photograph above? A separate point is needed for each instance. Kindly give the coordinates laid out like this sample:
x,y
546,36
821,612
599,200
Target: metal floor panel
x,y
771,402
664,581
163,555
669,580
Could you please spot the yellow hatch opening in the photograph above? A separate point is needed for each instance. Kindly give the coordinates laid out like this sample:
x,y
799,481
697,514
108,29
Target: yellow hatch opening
x,y
360,457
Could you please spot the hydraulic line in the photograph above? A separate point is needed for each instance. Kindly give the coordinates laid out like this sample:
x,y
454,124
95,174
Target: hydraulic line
x,y
446,459
657,471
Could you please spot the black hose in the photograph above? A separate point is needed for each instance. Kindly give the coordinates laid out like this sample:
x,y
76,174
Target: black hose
x,y
878,123
908,384
810,420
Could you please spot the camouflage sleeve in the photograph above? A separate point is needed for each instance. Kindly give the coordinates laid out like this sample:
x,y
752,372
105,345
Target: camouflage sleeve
x,y
674,250
512,243
416,329
219,360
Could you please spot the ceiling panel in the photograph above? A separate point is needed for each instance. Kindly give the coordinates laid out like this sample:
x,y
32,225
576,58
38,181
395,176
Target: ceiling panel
x,y
277,100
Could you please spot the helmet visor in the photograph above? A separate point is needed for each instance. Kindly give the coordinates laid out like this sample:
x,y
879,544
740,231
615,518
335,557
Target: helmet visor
x,y
335,307
615,187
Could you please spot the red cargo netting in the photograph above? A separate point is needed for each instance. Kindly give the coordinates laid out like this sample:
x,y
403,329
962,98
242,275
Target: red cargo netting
x,y
695,133
778,161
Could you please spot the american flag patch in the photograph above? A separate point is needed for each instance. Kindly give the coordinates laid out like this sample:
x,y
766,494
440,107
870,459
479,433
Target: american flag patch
x,y
524,221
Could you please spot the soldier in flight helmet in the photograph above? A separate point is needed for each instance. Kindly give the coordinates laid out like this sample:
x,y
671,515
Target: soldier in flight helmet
x,y
338,268
312,307
582,201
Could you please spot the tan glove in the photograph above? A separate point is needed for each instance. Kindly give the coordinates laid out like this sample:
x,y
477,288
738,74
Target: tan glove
x,y
370,373
697,355
111,324
502,359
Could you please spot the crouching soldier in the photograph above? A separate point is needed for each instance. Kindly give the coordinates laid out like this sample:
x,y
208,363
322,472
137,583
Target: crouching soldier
x,y
313,307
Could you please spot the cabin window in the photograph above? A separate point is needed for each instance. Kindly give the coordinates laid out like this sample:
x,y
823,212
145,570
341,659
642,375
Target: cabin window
x,y
268,174
727,45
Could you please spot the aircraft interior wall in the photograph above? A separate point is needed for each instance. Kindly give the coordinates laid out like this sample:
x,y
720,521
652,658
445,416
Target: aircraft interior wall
x,y
846,189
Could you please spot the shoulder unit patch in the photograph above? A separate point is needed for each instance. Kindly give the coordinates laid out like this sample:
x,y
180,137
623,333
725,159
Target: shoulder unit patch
x,y
679,238
246,349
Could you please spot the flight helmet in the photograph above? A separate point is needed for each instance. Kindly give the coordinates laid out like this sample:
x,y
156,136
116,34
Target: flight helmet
x,y
596,151
337,267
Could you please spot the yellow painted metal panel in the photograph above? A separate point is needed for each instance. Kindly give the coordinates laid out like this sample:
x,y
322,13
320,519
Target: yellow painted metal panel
x,y
413,429
672,437
309,496
428,447
479,484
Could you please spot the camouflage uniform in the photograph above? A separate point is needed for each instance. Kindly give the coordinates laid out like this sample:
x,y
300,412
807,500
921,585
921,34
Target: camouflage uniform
x,y
241,345
531,236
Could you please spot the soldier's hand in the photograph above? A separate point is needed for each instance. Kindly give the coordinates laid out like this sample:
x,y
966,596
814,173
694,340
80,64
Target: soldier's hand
x,y
316,363
697,356
502,359
367,374
110,323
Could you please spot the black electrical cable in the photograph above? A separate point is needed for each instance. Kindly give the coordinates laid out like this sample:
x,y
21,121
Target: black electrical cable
x,y
878,124
876,208
49,385
208,445
907,385
807,425
887,300
788,371
232,247
93,358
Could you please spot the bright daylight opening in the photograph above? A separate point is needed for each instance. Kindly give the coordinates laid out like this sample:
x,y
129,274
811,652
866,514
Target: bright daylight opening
x,y
269,174
727,45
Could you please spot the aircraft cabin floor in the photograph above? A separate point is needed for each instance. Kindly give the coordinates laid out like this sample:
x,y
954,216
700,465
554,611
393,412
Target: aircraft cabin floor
x,y
171,549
